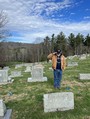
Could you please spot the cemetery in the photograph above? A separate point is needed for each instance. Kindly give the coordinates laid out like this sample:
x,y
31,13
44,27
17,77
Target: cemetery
x,y
44,59
33,92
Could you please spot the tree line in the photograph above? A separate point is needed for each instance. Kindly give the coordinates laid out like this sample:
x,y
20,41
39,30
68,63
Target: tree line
x,y
71,45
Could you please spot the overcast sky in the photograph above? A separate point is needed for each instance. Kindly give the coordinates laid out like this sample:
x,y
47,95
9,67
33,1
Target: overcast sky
x,y
30,19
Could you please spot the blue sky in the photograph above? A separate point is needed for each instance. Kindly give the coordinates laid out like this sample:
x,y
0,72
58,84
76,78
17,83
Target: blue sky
x,y
29,20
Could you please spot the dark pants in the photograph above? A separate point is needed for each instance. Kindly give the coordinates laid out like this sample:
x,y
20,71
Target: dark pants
x,y
57,78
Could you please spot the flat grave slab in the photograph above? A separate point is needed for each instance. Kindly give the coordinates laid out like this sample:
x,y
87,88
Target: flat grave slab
x,y
58,101
85,76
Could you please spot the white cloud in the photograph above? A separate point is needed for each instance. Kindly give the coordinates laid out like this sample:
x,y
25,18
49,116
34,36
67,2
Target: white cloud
x,y
87,17
25,17
72,13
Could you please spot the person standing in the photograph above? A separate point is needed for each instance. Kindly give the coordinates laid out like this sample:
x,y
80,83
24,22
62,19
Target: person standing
x,y
58,65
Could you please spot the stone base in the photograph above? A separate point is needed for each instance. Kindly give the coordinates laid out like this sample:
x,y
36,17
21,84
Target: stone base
x,y
37,80
7,114
11,76
8,82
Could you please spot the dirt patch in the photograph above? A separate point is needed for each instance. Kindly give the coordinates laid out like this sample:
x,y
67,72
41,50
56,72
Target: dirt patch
x,y
14,97
72,83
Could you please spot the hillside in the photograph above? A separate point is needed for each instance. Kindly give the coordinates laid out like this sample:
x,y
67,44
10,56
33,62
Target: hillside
x,y
26,100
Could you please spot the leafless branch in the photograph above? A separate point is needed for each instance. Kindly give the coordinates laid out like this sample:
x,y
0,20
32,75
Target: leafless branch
x,y
3,19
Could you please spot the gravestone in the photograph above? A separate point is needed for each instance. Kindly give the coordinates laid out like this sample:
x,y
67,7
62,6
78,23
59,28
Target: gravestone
x,y
37,75
70,57
28,69
4,79
83,57
27,64
4,113
3,76
2,108
6,68
85,76
58,101
15,74
71,64
18,66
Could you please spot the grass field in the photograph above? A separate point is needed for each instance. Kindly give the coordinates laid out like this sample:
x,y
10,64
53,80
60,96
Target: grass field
x,y
26,99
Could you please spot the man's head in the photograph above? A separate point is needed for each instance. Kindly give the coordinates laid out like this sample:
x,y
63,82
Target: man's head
x,y
59,51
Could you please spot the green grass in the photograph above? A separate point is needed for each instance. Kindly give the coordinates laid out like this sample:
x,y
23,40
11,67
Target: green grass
x,y
26,100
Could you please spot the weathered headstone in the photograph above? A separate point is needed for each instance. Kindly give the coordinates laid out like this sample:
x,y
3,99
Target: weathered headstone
x,y
27,64
3,76
2,108
28,69
71,64
4,113
6,68
82,57
58,101
15,74
84,76
37,75
4,79
18,66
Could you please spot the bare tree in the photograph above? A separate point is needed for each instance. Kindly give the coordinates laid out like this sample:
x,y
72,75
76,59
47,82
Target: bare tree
x,y
3,21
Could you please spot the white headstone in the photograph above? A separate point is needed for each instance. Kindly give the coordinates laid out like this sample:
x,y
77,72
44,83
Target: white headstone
x,y
15,74
3,76
4,113
2,108
6,68
71,64
28,69
18,66
82,57
84,76
37,74
58,101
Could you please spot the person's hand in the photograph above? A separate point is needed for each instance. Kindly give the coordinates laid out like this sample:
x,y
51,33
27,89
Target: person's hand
x,y
54,53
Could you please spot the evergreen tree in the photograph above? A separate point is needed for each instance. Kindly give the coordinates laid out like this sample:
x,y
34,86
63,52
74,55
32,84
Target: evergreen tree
x,y
87,43
61,43
71,41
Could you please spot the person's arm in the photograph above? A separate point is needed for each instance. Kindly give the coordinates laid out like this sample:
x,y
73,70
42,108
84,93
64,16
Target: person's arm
x,y
64,62
50,56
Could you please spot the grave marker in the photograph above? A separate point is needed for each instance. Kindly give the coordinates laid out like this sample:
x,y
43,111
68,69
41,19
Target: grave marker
x,y
71,64
58,101
4,113
37,74
85,76
4,79
3,76
15,74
